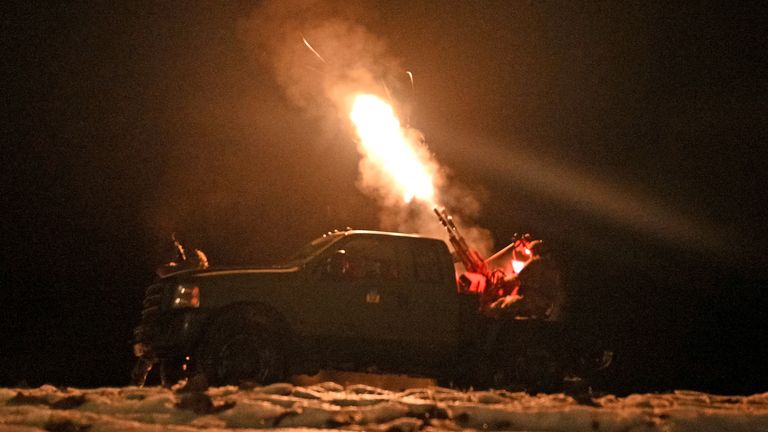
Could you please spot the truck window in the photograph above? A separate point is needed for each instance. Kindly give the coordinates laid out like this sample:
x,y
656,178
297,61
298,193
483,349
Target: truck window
x,y
311,249
371,258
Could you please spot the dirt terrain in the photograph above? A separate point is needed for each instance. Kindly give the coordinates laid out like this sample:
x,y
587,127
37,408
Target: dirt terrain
x,y
332,406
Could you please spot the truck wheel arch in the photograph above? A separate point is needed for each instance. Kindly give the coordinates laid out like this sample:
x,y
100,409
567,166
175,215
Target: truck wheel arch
x,y
258,310
243,319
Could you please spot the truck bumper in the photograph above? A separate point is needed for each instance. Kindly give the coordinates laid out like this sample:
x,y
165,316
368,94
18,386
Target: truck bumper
x,y
174,333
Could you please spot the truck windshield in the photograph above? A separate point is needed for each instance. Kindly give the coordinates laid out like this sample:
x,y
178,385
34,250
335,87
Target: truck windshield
x,y
311,249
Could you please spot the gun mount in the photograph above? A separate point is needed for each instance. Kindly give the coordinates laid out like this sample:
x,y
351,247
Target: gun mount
x,y
517,280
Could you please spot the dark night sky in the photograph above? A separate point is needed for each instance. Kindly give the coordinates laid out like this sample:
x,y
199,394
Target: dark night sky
x,y
628,134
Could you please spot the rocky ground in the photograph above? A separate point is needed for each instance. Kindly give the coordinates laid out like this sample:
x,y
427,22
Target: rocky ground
x,y
331,406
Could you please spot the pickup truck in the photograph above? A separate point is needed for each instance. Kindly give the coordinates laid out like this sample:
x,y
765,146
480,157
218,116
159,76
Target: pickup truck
x,y
349,300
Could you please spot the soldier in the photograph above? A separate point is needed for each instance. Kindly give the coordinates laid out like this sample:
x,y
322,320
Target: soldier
x,y
536,292
196,260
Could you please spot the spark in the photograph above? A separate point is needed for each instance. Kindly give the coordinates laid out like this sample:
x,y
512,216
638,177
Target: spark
x,y
306,42
410,75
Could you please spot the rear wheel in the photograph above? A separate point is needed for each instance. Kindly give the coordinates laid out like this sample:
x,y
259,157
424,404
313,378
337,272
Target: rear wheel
x,y
242,346
532,372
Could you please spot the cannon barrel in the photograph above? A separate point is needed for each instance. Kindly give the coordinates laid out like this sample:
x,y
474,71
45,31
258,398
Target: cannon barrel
x,y
471,259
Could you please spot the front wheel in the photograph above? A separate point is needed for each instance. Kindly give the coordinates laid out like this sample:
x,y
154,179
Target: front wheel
x,y
248,357
237,350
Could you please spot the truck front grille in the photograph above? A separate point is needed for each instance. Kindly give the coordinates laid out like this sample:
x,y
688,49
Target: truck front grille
x,y
152,306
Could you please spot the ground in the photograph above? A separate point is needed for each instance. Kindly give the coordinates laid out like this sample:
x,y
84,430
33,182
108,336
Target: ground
x,y
332,406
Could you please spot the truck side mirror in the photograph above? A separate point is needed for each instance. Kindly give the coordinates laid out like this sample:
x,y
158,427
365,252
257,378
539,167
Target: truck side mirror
x,y
337,265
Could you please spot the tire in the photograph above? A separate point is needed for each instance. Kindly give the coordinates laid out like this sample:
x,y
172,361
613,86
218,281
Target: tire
x,y
242,345
531,372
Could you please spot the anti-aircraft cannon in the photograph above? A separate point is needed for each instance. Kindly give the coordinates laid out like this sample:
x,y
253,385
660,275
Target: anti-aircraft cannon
x,y
519,281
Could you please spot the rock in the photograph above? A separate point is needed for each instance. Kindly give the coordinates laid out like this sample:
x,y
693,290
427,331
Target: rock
x,y
200,403
69,402
66,426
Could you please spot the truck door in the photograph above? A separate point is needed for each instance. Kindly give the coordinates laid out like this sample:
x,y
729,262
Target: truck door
x,y
373,283
395,295
399,289
433,305
417,313
358,303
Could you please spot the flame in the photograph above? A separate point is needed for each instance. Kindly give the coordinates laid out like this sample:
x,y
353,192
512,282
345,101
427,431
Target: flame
x,y
518,266
383,142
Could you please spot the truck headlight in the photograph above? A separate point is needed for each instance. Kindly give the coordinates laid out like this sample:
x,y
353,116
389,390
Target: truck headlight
x,y
186,295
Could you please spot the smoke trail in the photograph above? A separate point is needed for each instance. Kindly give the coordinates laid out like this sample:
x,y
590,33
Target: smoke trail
x,y
354,59
321,56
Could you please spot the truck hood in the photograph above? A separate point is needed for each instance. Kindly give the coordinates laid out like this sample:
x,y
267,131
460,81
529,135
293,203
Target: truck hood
x,y
225,271
229,271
